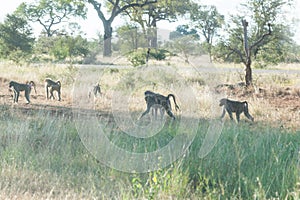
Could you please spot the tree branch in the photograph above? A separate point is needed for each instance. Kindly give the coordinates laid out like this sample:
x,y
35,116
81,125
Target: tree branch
x,y
239,54
262,37
147,2
97,7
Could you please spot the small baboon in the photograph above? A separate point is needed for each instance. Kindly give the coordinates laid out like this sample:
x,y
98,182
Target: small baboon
x,y
236,107
19,87
96,90
155,101
54,86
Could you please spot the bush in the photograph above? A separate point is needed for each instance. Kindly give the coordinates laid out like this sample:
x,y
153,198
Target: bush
x,y
137,57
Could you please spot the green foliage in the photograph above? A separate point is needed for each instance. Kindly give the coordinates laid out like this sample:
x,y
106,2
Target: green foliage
x,y
185,45
206,20
69,47
51,13
160,54
94,46
16,39
247,161
183,30
138,57
148,15
130,38
272,49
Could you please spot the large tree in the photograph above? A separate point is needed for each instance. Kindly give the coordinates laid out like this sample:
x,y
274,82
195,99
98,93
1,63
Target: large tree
x,y
115,8
251,39
49,14
16,39
206,20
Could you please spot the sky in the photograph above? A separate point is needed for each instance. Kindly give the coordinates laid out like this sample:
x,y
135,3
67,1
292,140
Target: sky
x,y
93,25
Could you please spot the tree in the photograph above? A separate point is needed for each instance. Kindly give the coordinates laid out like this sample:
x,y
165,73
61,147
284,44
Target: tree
x,y
65,46
247,58
130,38
115,7
52,13
183,30
184,41
207,20
148,16
249,40
16,38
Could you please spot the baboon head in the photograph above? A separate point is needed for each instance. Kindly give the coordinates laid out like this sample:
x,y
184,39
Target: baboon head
x,y
223,102
11,83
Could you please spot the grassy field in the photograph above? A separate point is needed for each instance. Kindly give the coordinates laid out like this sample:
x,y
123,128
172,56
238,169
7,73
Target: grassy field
x,y
43,154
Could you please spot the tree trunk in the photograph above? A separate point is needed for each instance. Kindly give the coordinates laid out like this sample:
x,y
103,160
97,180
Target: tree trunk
x,y
107,40
248,76
152,35
154,38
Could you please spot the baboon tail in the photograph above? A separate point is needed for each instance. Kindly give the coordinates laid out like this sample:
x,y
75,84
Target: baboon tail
x,y
171,95
245,105
58,83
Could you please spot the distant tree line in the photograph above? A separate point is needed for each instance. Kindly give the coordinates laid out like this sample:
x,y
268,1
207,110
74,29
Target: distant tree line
x,y
206,31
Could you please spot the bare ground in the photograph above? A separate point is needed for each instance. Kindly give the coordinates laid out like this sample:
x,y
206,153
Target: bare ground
x,y
278,107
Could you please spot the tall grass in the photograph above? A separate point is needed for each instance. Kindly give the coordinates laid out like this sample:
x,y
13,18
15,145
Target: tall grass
x,y
42,157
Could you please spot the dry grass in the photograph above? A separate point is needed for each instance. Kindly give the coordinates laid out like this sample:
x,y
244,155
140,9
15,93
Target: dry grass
x,y
43,157
274,99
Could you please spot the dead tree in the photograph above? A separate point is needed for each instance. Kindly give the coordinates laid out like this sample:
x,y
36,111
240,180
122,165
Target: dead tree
x,y
246,58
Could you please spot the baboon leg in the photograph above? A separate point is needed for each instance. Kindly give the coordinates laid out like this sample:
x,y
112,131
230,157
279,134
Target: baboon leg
x,y
237,116
249,116
230,114
15,97
47,92
154,112
162,113
170,114
223,113
17,94
27,95
58,95
147,111
51,94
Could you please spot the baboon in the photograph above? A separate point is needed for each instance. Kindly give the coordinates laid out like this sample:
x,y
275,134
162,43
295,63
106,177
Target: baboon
x,y
236,107
155,101
54,86
19,87
96,90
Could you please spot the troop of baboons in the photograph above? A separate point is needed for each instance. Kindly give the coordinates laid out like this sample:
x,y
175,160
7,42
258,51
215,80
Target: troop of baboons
x,y
26,87
154,101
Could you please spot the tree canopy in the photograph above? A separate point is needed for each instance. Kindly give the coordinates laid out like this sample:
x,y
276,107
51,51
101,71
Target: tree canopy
x,y
115,8
52,13
16,38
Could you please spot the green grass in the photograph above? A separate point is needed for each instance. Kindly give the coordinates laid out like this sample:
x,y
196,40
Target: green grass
x,y
43,157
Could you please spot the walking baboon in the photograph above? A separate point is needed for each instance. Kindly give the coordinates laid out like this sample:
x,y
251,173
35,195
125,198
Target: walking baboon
x,y
155,101
19,87
236,107
96,90
54,86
